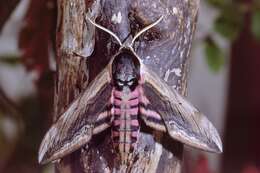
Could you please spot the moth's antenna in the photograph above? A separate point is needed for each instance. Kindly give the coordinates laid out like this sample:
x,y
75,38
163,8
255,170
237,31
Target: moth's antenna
x,y
104,29
145,29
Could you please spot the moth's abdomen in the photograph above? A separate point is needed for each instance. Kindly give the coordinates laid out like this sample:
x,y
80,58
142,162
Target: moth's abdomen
x,y
125,128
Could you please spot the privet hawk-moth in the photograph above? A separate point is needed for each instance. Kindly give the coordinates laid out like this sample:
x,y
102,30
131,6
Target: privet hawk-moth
x,y
123,97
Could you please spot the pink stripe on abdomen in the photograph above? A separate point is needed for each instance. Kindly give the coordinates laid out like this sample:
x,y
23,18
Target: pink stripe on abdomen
x,y
134,122
126,126
117,102
133,111
118,94
135,93
118,111
133,102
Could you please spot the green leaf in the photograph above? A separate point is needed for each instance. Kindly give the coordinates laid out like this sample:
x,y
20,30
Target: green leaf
x,y
217,3
229,24
215,58
255,24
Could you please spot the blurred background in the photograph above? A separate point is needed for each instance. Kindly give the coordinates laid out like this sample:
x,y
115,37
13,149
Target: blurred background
x,y
224,82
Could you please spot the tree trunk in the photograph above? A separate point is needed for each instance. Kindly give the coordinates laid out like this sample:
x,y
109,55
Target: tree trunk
x,y
164,50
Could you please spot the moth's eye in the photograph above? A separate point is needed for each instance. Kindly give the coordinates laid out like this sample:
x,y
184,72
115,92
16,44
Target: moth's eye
x,y
130,83
120,83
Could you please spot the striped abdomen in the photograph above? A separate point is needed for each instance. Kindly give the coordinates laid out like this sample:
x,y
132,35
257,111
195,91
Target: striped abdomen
x,y
125,126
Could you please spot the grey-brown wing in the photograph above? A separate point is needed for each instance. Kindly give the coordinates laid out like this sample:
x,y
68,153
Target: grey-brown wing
x,y
87,115
183,121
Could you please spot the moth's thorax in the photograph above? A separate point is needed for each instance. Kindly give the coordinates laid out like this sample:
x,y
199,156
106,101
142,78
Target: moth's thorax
x,y
126,94
126,126
125,70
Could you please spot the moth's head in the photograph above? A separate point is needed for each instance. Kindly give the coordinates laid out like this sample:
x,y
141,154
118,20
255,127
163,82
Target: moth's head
x,y
125,70
126,65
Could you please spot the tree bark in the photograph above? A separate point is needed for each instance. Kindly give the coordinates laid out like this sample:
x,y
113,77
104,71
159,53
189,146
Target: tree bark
x,y
165,50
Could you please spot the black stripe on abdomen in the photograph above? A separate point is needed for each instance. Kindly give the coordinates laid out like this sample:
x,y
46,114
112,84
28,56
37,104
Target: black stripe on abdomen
x,y
132,128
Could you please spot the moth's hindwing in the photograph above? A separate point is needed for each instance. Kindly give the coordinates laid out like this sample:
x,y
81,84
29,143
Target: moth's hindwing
x,y
87,115
165,109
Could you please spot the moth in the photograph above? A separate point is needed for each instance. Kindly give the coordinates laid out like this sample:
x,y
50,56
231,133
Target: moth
x,y
125,96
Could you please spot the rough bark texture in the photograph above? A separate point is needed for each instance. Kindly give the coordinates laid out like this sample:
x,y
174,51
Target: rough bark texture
x,y
165,49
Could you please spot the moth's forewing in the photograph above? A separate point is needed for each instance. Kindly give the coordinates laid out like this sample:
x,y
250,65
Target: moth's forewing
x,y
182,120
77,124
